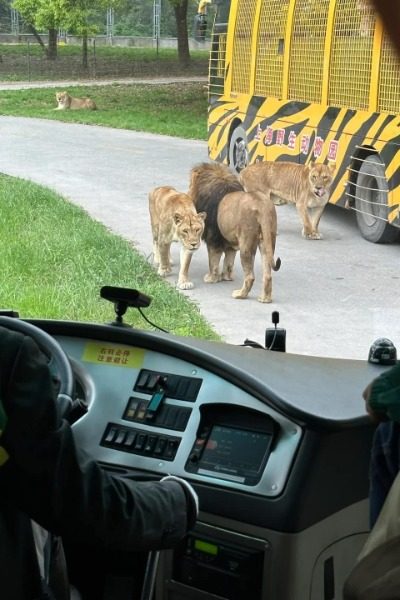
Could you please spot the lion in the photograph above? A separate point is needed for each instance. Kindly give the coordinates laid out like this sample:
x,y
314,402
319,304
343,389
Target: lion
x,y
306,186
65,101
174,217
236,221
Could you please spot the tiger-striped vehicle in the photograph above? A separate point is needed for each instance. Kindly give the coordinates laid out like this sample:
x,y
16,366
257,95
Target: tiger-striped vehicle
x,y
304,80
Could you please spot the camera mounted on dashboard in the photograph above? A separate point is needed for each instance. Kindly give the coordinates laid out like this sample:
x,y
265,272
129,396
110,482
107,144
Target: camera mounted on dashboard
x,y
122,298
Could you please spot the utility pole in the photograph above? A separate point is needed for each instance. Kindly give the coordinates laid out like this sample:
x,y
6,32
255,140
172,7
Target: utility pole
x,y
156,22
14,21
110,25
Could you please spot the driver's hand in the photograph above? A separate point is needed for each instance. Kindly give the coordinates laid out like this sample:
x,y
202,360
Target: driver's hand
x,y
28,390
382,396
191,499
375,416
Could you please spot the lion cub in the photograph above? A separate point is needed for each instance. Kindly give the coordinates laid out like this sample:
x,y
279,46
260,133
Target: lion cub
x,y
306,186
174,218
65,102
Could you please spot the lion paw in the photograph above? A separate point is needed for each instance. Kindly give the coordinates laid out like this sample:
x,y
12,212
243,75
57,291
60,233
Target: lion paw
x,y
208,278
164,272
264,299
226,277
239,295
311,235
185,285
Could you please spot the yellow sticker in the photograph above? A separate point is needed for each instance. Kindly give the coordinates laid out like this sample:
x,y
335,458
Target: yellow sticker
x,y
113,355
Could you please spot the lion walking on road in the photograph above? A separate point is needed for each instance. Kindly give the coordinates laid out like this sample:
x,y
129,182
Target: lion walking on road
x,y
306,186
174,218
236,221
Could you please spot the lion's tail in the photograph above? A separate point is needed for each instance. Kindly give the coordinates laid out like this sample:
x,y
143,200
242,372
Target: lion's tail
x,y
276,264
269,237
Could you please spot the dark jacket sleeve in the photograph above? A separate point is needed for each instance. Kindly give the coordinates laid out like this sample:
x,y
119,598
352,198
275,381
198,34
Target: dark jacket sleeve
x,y
58,486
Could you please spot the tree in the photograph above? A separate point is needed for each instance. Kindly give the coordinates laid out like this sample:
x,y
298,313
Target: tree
x,y
81,17
42,15
181,9
76,16
80,20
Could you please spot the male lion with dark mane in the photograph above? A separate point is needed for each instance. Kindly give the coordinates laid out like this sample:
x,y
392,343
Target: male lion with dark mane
x,y
174,218
236,220
306,186
67,102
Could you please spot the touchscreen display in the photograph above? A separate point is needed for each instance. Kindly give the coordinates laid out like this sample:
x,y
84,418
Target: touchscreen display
x,y
236,454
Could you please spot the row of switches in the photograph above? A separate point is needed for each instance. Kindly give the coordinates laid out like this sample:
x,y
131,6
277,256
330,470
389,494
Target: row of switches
x,y
137,442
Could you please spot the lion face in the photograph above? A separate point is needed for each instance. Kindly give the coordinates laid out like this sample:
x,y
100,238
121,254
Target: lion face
x,y
62,98
189,229
320,178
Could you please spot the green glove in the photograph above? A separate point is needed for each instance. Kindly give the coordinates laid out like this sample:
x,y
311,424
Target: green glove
x,y
385,394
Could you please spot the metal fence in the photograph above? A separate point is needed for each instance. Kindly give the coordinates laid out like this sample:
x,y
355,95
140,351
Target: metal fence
x,y
117,50
27,62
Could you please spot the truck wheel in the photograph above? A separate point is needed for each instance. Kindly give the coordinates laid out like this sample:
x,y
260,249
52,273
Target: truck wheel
x,y
371,202
238,150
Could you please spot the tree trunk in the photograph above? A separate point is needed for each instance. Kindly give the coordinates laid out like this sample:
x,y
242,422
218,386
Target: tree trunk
x,y
38,39
85,63
180,10
52,46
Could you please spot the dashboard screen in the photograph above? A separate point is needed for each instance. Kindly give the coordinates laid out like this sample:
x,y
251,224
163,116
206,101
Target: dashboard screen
x,y
235,454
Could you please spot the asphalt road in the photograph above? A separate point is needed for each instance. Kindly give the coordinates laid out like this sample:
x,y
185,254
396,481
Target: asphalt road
x,y
334,296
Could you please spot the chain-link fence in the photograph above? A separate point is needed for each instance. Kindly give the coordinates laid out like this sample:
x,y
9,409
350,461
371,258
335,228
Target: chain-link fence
x,y
139,41
27,62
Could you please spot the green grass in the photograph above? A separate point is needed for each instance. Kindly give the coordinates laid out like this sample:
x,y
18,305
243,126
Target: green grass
x,y
101,52
54,259
170,109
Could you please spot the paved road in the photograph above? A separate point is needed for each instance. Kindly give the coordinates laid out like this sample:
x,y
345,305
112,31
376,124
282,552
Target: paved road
x,y
335,296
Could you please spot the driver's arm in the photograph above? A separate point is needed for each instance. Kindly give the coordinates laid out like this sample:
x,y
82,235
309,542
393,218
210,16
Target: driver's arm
x,y
48,478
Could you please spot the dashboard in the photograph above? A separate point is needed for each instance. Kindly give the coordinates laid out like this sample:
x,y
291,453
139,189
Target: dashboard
x,y
276,446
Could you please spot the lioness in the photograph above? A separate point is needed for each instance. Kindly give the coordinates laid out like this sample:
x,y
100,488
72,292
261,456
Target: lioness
x,y
174,218
306,186
65,102
236,220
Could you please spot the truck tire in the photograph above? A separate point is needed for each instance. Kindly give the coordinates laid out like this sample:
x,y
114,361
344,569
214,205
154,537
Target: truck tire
x,y
238,150
371,202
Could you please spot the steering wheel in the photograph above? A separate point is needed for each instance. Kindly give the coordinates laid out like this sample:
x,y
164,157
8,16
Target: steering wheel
x,y
52,349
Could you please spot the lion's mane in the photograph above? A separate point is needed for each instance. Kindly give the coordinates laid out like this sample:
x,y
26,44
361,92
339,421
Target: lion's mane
x,y
209,183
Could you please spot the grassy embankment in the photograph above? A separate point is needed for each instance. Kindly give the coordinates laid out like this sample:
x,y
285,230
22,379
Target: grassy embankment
x,y
178,109
54,259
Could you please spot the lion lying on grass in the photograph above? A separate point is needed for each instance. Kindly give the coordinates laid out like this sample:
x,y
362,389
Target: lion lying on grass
x,y
306,186
65,102
236,220
174,217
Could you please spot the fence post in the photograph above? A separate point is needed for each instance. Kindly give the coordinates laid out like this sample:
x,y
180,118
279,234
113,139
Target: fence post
x,y
156,22
94,59
29,60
